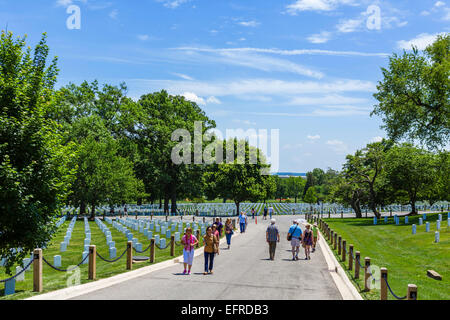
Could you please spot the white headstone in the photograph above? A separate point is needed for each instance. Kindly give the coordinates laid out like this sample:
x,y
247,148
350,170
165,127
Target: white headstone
x,y
436,236
57,261
20,277
413,229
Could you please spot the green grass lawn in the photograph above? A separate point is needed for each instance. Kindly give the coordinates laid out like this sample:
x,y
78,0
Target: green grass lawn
x,y
54,280
406,256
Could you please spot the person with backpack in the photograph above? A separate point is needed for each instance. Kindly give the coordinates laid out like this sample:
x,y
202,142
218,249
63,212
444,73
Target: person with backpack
x,y
294,235
270,212
307,240
265,213
189,241
253,213
211,248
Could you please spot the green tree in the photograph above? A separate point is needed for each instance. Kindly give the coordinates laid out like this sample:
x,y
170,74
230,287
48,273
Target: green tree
x,y
310,197
411,170
365,168
240,181
295,187
161,115
34,170
413,97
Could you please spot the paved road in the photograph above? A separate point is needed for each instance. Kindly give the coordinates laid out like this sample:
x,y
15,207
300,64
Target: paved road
x,y
244,272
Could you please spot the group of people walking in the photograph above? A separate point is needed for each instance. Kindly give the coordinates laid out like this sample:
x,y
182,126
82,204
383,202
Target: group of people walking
x,y
211,242
307,238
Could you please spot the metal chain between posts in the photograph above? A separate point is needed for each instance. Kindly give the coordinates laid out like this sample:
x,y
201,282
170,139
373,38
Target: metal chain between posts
x,y
19,273
111,261
65,270
362,267
392,292
178,244
136,250
159,247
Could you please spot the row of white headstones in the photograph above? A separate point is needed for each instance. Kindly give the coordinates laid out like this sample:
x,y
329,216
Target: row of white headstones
x,y
427,224
26,261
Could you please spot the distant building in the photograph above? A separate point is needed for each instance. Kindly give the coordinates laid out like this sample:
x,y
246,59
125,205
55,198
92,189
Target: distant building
x,y
284,175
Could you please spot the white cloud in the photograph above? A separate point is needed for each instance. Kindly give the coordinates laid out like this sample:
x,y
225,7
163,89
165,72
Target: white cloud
x,y
143,37
113,14
256,87
213,100
194,98
251,23
326,100
439,4
313,138
316,5
183,76
322,37
246,122
350,25
249,60
376,139
338,146
294,52
172,4
421,41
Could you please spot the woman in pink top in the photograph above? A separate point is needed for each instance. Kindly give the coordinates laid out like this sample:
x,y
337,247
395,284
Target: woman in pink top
x,y
215,231
189,241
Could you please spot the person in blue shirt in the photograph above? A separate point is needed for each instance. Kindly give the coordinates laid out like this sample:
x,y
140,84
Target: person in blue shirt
x,y
295,235
242,221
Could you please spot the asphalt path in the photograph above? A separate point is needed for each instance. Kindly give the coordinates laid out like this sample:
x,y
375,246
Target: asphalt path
x,y
243,272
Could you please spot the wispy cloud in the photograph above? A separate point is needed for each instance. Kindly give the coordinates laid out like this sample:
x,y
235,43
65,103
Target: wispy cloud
x,y
338,146
183,76
421,41
250,60
322,37
251,23
172,4
294,52
316,5
256,87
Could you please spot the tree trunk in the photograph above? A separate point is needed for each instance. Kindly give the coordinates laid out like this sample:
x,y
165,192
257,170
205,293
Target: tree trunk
x,y
372,203
224,200
166,203
93,212
82,207
160,202
413,206
173,194
237,208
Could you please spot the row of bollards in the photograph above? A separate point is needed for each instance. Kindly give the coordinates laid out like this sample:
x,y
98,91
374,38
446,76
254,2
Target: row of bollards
x,y
354,259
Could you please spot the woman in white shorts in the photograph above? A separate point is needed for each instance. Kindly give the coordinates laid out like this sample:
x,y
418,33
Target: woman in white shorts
x,y
189,241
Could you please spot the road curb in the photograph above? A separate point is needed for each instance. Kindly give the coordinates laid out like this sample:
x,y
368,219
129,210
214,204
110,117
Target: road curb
x,y
340,278
75,291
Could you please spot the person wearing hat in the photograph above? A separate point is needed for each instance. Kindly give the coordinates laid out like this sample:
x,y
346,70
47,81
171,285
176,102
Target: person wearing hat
x,y
294,235
272,237
316,236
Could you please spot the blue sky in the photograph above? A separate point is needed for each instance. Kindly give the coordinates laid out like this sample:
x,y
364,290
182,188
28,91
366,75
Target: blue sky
x,y
306,67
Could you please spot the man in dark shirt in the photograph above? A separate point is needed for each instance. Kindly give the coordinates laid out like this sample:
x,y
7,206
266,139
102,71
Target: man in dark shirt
x,y
272,237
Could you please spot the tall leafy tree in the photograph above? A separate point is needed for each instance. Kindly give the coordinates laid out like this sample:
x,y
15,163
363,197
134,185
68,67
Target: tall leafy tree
x,y
411,170
365,168
34,171
240,181
161,115
413,97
